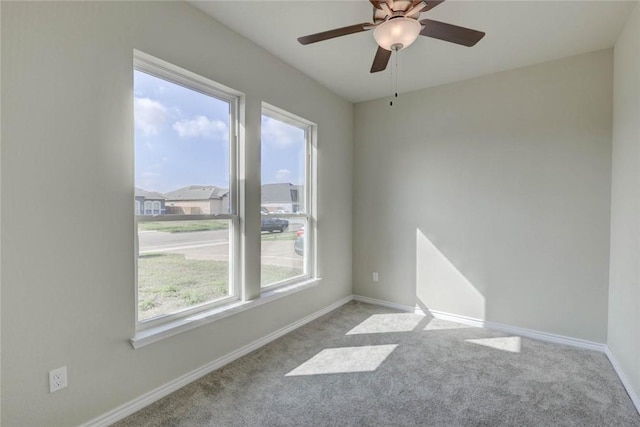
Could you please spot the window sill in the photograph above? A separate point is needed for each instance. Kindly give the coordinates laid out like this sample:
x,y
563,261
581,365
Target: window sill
x,y
149,336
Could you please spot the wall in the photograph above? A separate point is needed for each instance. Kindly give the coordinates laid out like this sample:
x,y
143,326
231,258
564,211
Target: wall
x,y
0,221
489,198
624,286
67,134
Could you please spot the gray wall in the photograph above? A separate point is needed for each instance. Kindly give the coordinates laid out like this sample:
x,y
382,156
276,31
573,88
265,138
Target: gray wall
x,y
67,135
489,198
624,287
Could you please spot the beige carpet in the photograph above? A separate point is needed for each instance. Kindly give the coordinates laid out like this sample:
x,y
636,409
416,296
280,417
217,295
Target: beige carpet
x,y
364,365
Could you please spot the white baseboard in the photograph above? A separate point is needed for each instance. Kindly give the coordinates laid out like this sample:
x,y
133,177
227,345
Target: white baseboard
x,y
383,303
623,378
146,399
529,333
523,332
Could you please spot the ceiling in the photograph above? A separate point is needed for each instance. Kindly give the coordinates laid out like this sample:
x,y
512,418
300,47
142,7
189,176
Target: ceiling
x,y
519,33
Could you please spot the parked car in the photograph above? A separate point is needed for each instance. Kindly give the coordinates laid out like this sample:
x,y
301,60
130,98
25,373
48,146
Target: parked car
x,y
298,246
273,224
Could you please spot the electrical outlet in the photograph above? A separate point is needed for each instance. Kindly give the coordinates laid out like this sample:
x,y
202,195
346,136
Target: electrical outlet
x,y
57,379
375,276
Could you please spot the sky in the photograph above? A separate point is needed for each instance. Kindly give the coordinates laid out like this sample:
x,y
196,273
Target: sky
x,y
182,138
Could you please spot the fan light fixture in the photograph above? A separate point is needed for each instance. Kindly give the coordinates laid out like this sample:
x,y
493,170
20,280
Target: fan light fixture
x,y
397,33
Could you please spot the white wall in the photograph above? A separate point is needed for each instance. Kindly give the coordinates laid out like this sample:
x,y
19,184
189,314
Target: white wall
x,y
489,198
67,135
624,286
0,222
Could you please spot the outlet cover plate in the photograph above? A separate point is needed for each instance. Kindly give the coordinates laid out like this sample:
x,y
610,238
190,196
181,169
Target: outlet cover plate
x,y
57,379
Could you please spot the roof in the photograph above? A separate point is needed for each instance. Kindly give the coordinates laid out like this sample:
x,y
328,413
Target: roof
x,y
197,192
282,193
151,195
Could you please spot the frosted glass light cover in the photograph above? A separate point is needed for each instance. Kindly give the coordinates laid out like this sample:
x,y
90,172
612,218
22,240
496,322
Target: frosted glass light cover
x,y
397,32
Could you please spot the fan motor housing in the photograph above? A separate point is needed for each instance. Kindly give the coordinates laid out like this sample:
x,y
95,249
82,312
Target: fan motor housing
x,y
398,6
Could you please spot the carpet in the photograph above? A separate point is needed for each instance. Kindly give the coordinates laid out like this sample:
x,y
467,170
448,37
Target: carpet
x,y
364,365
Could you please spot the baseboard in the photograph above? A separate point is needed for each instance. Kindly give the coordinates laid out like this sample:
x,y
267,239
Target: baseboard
x,y
529,333
383,303
523,332
146,399
623,378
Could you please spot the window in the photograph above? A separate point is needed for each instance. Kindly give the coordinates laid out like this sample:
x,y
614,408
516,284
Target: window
x,y
189,245
185,168
286,196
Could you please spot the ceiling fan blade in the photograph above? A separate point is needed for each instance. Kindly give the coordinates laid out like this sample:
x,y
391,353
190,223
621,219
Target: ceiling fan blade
x,y
381,60
450,33
338,32
376,4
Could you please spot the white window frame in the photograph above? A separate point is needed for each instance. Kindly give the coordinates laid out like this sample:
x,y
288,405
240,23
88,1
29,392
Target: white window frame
x,y
174,74
310,200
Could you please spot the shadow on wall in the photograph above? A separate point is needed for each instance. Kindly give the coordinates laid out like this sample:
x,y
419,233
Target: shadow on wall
x,y
440,286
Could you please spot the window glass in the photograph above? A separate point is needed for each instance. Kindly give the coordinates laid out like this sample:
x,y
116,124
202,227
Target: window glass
x,y
182,169
181,264
284,198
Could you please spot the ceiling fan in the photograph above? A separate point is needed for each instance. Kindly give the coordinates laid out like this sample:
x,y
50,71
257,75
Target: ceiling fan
x,y
396,26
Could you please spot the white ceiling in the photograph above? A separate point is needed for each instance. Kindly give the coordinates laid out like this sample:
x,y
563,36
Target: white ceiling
x,y
519,33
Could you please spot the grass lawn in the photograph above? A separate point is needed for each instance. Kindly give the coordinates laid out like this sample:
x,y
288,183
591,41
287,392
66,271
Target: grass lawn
x,y
184,226
169,282
274,273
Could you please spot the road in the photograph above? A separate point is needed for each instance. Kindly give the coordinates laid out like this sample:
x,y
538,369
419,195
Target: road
x,y
214,245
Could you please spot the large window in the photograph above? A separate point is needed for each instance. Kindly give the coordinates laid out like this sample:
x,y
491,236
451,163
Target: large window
x,y
286,198
193,253
186,192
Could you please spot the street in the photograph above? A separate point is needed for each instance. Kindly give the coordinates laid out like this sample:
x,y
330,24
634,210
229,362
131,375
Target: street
x,y
214,245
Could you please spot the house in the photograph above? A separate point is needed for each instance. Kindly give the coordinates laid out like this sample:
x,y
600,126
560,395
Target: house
x,y
198,200
149,202
505,189
284,197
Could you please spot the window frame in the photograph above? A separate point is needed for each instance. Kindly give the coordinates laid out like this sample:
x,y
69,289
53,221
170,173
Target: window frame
x,y
163,70
310,201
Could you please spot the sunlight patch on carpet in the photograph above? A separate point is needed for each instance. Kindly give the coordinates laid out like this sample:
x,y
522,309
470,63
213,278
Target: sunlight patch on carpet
x,y
345,360
441,325
510,344
384,323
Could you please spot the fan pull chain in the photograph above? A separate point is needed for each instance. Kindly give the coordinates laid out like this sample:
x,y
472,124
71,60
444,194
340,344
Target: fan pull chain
x,y
391,81
396,91
394,73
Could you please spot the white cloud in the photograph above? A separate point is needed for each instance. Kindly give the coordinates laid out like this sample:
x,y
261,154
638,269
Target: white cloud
x,y
283,175
200,126
280,135
150,115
